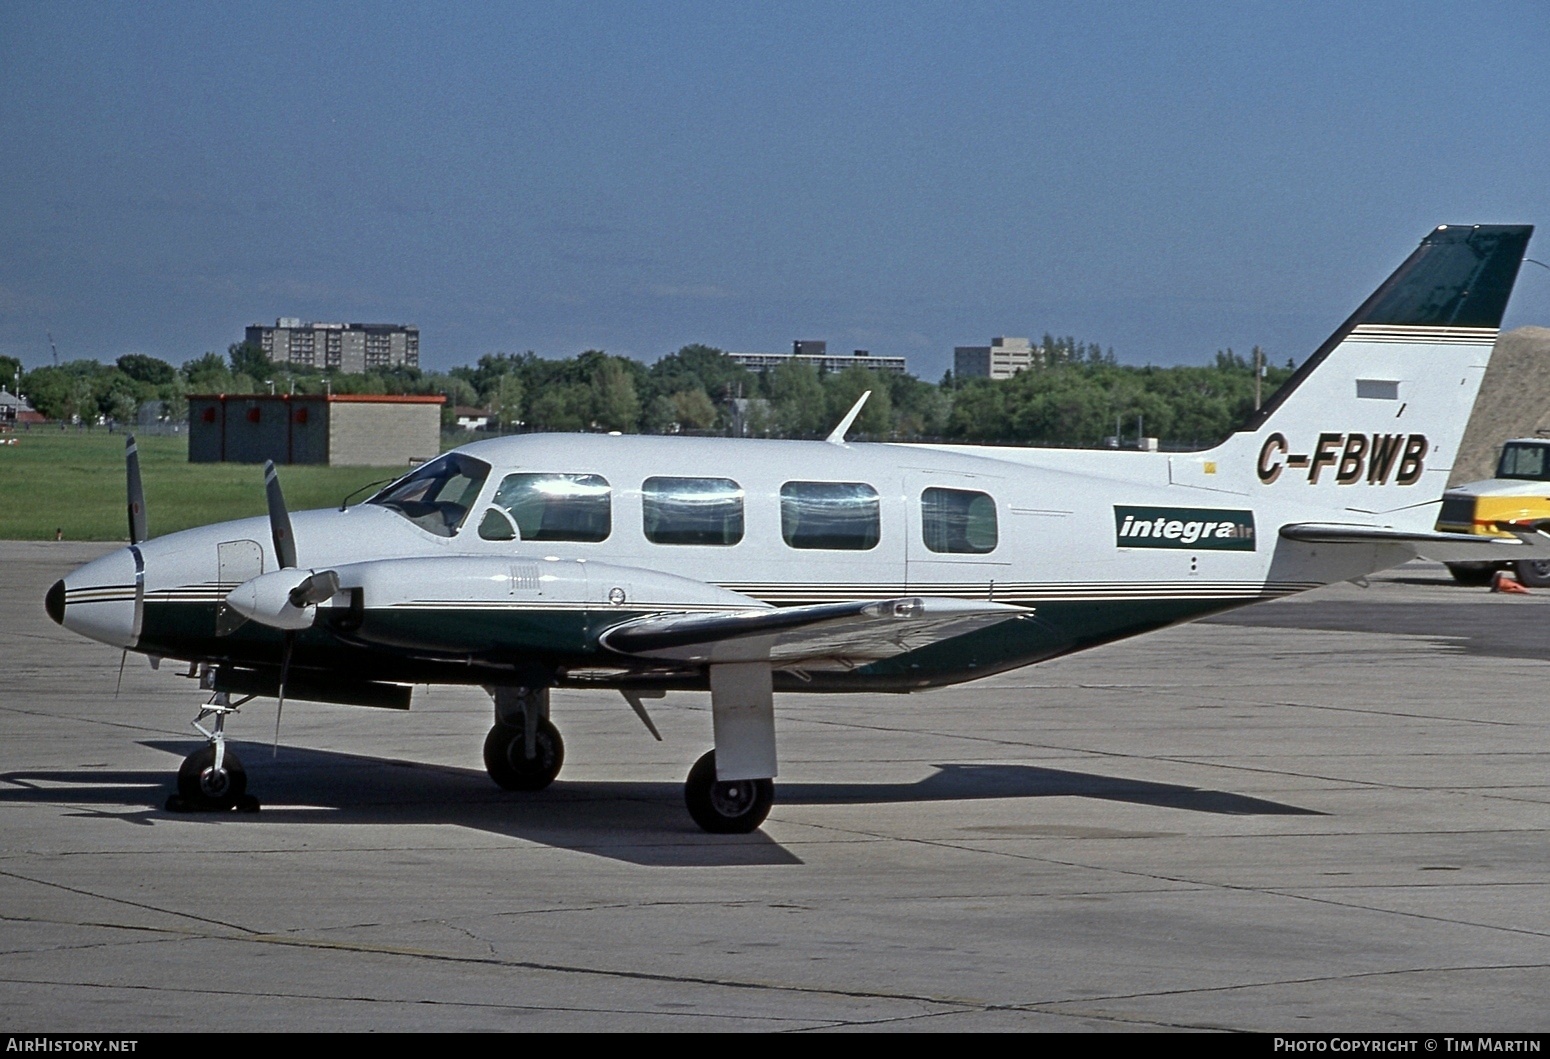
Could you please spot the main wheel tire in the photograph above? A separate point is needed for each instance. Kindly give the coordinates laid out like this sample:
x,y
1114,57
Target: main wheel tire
x,y
506,760
202,786
1534,573
1473,576
733,807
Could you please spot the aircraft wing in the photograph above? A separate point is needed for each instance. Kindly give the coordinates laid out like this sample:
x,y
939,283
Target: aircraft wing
x,y
843,634
1528,540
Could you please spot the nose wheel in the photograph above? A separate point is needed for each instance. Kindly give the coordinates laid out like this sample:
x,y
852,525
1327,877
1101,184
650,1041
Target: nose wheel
x,y
212,779
204,784
726,807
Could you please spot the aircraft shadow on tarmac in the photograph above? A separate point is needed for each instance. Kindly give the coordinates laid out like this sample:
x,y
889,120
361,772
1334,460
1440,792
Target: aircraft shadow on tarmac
x,y
637,822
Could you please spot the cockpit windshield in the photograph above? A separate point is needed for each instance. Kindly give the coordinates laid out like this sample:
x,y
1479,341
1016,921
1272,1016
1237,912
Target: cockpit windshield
x,y
1524,461
437,496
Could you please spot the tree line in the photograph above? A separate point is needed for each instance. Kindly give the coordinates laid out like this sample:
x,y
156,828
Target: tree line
x,y
1075,394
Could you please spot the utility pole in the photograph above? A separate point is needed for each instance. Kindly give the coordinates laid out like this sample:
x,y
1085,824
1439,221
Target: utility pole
x,y
1259,373
53,347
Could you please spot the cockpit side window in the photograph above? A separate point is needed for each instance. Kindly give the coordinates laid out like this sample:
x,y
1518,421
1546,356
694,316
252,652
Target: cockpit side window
x,y
550,507
960,521
438,495
845,516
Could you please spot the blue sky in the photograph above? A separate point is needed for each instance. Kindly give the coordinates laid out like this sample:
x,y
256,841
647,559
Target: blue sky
x,y
1167,179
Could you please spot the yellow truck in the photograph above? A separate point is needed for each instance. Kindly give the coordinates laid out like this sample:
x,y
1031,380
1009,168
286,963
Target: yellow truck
x,y
1520,491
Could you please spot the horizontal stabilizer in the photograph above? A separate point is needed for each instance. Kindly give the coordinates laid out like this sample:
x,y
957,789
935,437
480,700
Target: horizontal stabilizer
x,y
842,634
1525,542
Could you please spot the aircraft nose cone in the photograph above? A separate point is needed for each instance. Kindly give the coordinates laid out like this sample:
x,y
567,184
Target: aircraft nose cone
x,y
54,603
99,600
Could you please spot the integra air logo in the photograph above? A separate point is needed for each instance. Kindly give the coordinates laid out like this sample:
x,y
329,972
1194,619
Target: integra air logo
x,y
1195,528
1351,456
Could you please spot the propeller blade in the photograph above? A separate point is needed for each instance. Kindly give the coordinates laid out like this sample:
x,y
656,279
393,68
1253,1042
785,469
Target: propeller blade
x,y
279,518
136,491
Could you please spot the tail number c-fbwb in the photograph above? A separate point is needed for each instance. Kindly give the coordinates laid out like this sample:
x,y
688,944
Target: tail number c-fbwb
x,y
1351,457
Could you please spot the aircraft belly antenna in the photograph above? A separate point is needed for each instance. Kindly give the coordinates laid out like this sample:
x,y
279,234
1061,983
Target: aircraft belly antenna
x,y
633,698
837,435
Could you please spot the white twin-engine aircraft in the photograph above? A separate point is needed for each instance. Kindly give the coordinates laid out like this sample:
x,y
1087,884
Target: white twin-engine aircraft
x,y
747,567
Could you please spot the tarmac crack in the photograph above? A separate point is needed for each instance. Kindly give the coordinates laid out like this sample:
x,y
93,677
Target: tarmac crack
x,y
1310,980
425,1001
1203,884
612,973
143,906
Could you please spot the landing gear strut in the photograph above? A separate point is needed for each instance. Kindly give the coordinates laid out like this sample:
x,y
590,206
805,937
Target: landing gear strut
x,y
726,807
212,779
523,751
730,789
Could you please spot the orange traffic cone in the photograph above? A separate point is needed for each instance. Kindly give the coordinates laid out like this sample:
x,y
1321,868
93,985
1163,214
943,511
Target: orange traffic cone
x,y
1503,581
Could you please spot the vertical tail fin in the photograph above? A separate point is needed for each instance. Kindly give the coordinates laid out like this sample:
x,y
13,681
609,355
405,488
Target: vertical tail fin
x,y
1372,421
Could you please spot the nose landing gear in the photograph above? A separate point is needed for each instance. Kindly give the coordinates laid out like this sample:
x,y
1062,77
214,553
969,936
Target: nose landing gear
x,y
212,778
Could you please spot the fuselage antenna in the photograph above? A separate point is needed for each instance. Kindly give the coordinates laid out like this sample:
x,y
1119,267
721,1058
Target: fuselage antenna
x,y
837,435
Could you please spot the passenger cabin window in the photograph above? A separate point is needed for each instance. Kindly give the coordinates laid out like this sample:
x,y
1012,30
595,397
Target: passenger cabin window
x,y
549,507
844,516
438,495
958,521
692,510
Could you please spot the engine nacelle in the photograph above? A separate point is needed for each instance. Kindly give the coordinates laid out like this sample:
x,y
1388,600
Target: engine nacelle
x,y
484,604
278,599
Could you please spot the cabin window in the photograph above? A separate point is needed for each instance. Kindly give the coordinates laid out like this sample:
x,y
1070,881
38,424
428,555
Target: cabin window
x,y
692,510
839,515
958,520
438,495
550,507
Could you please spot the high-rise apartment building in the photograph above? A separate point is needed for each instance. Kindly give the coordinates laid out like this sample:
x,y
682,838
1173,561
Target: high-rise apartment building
x,y
351,348
1002,359
816,353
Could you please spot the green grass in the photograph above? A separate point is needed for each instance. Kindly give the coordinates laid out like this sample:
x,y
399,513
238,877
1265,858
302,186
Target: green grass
x,y
74,482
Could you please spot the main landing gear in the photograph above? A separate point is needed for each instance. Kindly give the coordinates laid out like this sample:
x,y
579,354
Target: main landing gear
x,y
524,751
729,790
726,807
212,778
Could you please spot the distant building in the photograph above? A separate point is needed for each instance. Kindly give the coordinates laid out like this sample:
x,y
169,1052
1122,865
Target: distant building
x,y
351,348
816,353
342,430
471,418
1002,359
15,409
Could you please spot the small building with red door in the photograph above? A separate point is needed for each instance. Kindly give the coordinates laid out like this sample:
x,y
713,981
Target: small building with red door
x,y
341,430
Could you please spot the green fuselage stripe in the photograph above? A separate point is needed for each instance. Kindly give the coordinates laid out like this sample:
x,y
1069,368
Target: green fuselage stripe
x,y
477,646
